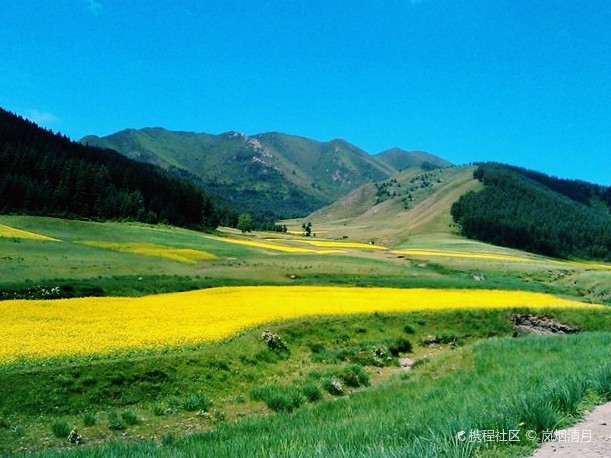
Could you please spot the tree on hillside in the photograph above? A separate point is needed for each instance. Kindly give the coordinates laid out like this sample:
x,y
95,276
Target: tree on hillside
x,y
307,229
245,223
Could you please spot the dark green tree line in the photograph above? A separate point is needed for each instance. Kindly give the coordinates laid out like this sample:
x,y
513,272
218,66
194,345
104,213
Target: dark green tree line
x,y
526,210
43,173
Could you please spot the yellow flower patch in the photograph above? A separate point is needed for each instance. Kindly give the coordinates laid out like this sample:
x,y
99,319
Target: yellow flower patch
x,y
39,329
500,257
11,232
270,246
186,255
584,264
329,243
463,254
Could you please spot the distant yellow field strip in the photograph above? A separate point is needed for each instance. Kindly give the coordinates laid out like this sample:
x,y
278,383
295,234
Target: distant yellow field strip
x,y
7,231
270,246
464,254
499,257
584,264
333,244
185,255
35,330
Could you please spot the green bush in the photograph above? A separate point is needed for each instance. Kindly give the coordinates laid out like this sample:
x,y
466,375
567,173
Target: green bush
x,y
74,437
174,402
196,401
317,347
18,431
114,421
279,398
130,417
400,345
60,429
274,342
408,329
159,408
354,376
312,392
89,419
333,386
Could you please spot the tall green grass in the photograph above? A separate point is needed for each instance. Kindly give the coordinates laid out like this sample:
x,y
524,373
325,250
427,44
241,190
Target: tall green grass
x,y
531,383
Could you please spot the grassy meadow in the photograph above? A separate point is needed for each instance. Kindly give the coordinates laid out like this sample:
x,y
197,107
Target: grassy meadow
x,y
124,339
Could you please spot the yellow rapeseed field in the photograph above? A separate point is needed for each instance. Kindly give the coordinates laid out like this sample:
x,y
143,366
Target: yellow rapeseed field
x,y
463,254
185,255
38,329
270,246
499,257
8,231
584,264
333,244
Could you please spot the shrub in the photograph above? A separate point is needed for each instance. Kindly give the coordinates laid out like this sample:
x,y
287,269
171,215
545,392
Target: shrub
x,y
18,431
60,429
174,402
279,398
333,386
114,421
274,342
317,347
74,437
354,375
89,419
312,392
130,417
218,416
159,408
196,401
408,329
400,345
284,402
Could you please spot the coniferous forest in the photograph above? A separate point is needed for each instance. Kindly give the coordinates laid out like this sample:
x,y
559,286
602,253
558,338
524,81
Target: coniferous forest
x,y
43,173
532,211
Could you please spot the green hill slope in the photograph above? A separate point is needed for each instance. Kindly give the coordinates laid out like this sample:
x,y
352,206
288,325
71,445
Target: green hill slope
x,y
415,202
527,210
270,173
402,160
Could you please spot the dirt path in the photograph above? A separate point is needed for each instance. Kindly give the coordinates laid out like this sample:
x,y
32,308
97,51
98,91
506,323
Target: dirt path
x,y
591,437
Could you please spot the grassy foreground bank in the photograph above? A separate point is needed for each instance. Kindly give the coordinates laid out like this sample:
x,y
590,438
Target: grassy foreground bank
x,y
243,398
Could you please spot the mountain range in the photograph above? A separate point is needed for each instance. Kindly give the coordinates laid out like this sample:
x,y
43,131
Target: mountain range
x,y
157,177
275,174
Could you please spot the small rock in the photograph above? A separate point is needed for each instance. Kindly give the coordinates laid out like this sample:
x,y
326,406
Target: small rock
x,y
406,363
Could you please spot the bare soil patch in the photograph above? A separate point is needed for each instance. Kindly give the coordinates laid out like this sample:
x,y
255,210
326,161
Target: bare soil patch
x,y
541,325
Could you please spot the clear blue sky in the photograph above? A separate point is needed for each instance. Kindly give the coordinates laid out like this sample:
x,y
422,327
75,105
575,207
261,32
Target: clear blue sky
x,y
527,82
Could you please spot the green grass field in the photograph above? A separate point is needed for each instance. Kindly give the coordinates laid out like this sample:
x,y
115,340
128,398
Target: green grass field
x,y
334,385
94,270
